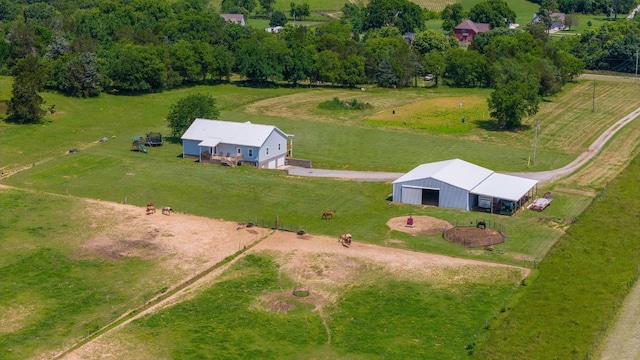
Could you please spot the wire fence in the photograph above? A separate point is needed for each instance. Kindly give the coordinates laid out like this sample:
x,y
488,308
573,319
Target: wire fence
x,y
275,224
488,224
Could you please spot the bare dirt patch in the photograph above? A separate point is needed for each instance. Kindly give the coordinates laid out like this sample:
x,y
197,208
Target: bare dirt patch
x,y
422,225
182,243
14,318
473,236
318,263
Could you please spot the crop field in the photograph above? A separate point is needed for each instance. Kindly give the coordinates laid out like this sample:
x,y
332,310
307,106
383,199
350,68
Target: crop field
x,y
110,258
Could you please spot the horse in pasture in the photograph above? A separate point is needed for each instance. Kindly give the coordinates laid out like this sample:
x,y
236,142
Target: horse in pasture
x,y
345,239
327,215
151,209
166,210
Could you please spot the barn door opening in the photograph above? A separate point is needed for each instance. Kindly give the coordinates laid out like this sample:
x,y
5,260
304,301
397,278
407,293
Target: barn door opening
x,y
430,197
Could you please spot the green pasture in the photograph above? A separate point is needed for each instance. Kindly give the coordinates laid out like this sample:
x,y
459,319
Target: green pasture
x,y
39,231
331,143
50,291
224,322
443,115
109,171
581,285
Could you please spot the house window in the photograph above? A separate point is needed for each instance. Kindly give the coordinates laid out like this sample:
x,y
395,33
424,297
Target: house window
x,y
239,152
279,146
267,151
250,152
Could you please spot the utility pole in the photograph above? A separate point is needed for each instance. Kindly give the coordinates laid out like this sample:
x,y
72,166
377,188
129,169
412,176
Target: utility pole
x,y
535,141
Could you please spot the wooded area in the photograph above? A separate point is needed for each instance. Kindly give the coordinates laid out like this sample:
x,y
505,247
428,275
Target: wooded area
x,y
131,47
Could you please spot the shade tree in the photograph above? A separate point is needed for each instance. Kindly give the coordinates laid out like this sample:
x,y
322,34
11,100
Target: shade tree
x,y
496,13
187,109
25,105
452,15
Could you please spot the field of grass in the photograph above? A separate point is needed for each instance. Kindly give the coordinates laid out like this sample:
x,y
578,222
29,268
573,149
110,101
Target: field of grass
x,y
581,285
443,115
50,292
39,232
233,323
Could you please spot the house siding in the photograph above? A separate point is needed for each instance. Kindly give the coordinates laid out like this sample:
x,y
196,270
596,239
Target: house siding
x,y
190,147
269,156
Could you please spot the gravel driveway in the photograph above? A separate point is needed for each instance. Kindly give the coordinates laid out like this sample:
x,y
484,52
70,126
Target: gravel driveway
x,y
541,176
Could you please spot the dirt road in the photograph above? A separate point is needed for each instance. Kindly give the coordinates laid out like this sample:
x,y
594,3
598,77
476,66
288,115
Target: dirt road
x,y
191,245
542,176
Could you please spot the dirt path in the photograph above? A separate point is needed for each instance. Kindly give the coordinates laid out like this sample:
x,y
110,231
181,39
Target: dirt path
x,y
210,240
581,160
586,155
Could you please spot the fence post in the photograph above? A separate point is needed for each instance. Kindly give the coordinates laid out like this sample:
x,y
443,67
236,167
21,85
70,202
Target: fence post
x,y
276,222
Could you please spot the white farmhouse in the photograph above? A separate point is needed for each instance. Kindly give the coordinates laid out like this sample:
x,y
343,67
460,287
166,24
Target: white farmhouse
x,y
232,143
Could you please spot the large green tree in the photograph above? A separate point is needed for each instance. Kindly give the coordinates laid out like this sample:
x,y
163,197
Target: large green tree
x,y
496,13
189,108
25,106
516,94
512,101
430,40
452,15
134,68
262,57
466,68
76,75
403,14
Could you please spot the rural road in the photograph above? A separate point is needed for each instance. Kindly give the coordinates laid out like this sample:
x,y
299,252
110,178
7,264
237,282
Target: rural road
x,y
541,176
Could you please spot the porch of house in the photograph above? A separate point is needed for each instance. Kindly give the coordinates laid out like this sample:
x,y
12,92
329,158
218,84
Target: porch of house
x,y
223,159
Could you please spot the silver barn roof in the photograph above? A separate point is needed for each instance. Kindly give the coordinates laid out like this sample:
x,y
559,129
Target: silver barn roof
x,y
213,132
473,178
455,172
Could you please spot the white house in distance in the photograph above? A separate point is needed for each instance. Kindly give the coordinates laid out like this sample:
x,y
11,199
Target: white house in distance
x,y
231,143
461,185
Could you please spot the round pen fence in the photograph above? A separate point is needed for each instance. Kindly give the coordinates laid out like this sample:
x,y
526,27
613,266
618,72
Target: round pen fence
x,y
476,233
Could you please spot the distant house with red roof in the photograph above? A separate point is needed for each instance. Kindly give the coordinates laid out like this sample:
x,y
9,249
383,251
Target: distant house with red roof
x,y
468,29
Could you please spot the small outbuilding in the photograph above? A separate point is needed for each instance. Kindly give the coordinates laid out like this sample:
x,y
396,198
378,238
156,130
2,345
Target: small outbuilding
x,y
232,143
462,185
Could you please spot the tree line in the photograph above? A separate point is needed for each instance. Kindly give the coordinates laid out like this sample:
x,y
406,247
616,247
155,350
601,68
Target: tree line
x,y
84,48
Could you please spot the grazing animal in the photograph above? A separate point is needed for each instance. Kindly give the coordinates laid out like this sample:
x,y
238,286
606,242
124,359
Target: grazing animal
x,y
345,239
166,210
481,225
327,215
151,209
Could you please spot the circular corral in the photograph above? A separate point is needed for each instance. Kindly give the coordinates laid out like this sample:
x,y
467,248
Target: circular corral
x,y
422,225
468,236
